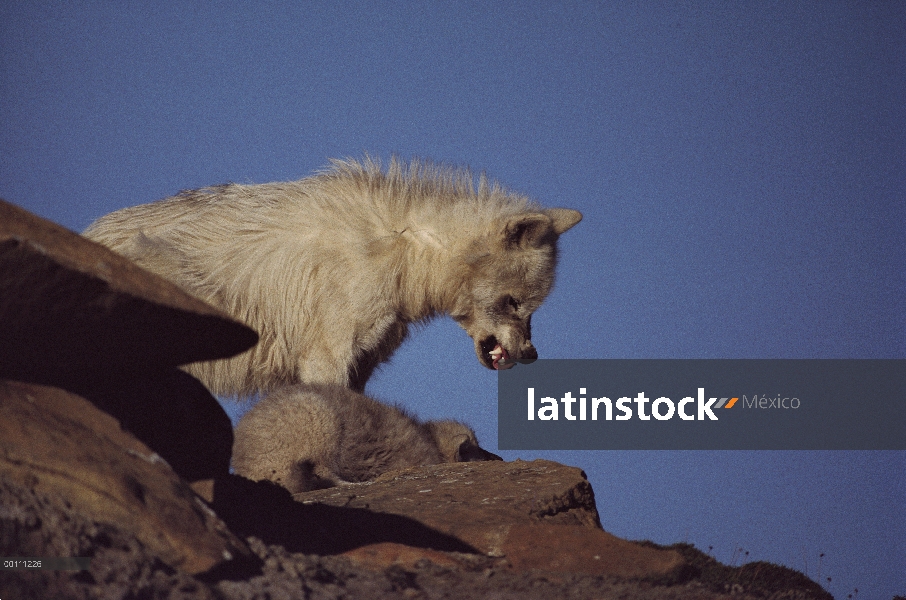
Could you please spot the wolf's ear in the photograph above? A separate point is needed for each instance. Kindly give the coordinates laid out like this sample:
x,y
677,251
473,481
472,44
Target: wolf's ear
x,y
527,230
563,218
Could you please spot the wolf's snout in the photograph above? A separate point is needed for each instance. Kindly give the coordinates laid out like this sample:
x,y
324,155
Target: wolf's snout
x,y
470,452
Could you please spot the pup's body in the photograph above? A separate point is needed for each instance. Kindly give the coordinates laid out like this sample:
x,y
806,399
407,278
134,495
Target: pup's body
x,y
332,269
308,437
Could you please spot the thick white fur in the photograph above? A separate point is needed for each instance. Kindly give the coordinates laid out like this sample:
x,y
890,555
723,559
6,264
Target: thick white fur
x,y
331,269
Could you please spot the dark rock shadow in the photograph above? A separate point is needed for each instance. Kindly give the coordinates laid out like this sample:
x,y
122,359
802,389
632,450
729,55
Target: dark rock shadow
x,y
167,409
174,414
268,511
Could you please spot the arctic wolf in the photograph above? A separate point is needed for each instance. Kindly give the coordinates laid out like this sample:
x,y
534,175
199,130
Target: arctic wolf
x,y
332,269
308,437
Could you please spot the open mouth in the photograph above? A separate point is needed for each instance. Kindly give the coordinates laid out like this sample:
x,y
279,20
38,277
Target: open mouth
x,y
496,355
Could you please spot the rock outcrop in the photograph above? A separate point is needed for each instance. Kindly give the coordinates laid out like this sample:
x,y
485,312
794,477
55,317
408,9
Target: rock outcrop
x,y
63,448
108,451
503,510
79,317
95,418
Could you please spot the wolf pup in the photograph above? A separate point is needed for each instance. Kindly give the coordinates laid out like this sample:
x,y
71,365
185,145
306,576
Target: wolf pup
x,y
332,269
309,437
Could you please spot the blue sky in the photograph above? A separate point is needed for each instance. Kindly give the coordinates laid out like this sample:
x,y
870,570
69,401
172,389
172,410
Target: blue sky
x,y
740,167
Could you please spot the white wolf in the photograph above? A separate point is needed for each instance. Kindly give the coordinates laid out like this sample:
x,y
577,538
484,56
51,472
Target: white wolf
x,y
332,269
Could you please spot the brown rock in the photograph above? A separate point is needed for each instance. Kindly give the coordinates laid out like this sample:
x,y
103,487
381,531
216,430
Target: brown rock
x,y
386,554
64,448
475,493
476,502
539,515
587,551
78,316
268,512
173,413
71,308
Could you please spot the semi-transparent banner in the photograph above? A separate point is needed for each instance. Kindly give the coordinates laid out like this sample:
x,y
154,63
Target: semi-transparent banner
x,y
703,404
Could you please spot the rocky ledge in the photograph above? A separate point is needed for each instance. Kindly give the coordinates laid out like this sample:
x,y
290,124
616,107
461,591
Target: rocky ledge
x,y
109,452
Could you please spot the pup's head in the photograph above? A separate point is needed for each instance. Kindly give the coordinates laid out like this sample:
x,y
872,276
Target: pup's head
x,y
457,442
509,278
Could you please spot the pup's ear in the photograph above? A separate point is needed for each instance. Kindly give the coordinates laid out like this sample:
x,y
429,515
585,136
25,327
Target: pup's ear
x,y
526,231
563,218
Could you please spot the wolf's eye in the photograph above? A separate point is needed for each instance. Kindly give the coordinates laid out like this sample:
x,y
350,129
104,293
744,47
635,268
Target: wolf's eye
x,y
514,304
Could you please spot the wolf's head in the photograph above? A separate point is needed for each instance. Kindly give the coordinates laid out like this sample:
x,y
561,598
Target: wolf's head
x,y
509,278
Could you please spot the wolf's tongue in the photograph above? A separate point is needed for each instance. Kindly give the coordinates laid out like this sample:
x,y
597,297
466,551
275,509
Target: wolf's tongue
x,y
499,354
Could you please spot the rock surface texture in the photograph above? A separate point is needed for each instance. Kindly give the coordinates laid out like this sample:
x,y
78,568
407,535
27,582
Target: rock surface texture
x,y
504,510
61,447
108,451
